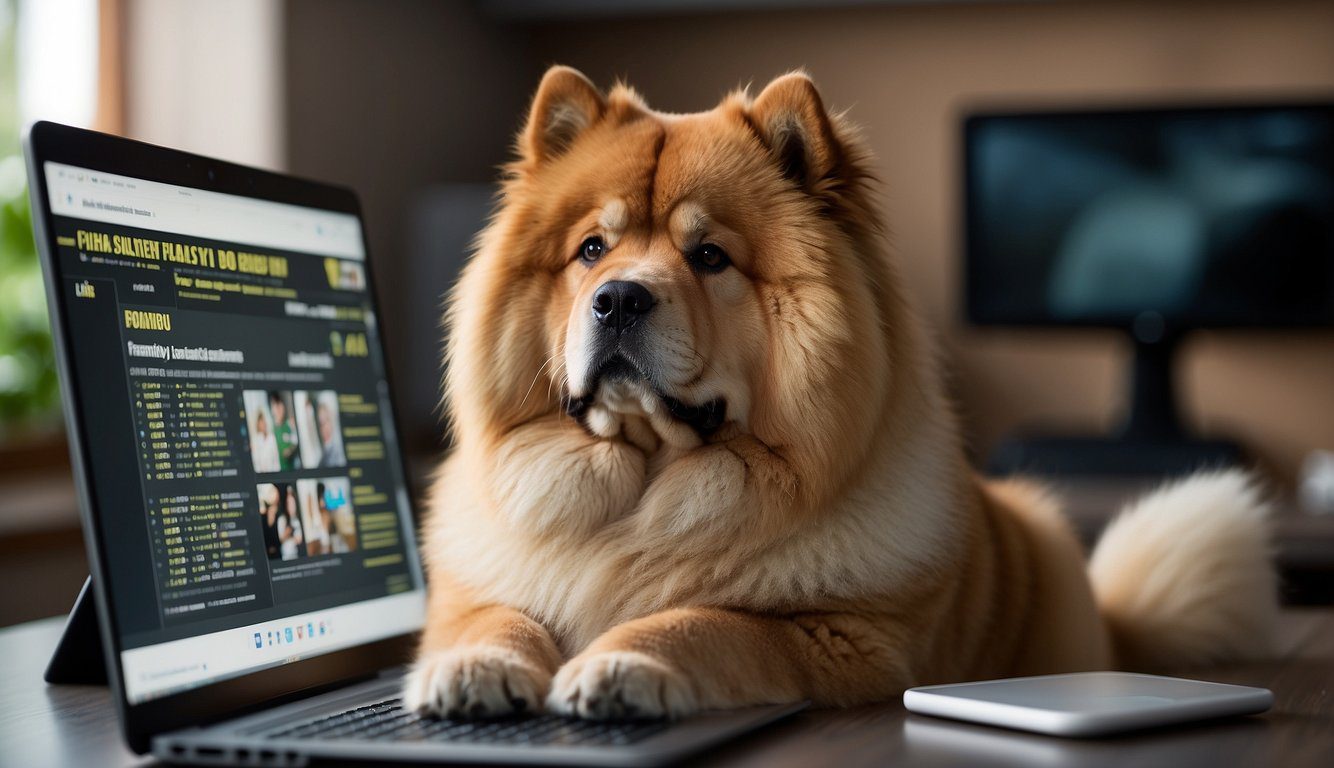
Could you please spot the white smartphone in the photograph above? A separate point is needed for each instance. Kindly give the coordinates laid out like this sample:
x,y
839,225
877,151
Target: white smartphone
x,y
1087,703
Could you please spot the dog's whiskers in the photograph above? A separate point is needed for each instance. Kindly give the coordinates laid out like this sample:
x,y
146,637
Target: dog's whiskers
x,y
536,376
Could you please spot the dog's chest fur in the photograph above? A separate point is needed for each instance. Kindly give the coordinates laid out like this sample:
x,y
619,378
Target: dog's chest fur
x,y
872,539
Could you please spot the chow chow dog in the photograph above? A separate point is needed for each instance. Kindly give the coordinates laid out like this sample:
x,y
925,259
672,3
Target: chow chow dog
x,y
703,456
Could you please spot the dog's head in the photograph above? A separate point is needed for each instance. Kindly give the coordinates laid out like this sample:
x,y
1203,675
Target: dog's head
x,y
711,273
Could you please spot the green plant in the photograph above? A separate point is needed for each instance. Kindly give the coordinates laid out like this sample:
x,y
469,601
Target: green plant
x,y
28,388
29,393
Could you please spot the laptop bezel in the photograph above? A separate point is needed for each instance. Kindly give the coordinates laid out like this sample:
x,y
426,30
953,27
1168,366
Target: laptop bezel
x,y
52,142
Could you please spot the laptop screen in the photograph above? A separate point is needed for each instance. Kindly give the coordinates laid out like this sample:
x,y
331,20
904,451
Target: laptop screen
x,y
244,467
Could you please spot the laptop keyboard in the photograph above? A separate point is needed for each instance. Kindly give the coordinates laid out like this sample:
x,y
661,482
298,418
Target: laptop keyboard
x,y
388,721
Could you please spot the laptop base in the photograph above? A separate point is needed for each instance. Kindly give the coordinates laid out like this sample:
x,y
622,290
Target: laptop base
x,y
78,658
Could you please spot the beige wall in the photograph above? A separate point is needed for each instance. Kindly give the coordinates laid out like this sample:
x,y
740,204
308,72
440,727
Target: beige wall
x,y
199,76
906,71
418,92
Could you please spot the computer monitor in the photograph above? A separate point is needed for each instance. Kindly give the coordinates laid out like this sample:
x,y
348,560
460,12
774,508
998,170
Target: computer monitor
x,y
1156,221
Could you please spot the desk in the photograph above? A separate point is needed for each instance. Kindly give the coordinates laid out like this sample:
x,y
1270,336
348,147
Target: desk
x,y
44,725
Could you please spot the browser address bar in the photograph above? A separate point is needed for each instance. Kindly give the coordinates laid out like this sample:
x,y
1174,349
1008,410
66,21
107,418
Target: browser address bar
x,y
84,194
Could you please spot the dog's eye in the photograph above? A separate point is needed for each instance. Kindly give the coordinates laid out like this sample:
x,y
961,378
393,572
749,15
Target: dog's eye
x,y
592,249
709,258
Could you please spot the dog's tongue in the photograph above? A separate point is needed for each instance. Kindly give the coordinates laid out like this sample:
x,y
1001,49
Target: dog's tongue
x,y
703,418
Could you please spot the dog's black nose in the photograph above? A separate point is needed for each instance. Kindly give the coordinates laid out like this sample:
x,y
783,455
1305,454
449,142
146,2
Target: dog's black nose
x,y
618,304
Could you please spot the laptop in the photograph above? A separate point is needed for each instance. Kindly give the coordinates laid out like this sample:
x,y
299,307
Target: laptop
x,y
249,525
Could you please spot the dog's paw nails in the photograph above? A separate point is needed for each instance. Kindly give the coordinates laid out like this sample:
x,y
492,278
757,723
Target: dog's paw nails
x,y
620,684
474,682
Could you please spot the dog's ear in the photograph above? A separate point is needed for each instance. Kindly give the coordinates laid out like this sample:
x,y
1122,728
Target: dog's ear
x,y
566,104
791,119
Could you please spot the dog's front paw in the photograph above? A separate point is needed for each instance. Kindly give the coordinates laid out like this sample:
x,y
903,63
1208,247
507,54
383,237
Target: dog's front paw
x,y
620,684
474,682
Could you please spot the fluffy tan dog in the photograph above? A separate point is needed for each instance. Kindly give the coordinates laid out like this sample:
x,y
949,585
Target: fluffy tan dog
x,y
703,457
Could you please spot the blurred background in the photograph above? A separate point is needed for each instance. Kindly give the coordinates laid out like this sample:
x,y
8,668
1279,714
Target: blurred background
x,y
414,104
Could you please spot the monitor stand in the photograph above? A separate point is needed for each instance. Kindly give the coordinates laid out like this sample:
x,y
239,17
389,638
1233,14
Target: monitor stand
x,y
78,658
1151,441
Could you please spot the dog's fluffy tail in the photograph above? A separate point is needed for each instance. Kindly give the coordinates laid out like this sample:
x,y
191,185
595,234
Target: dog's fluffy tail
x,y
1185,577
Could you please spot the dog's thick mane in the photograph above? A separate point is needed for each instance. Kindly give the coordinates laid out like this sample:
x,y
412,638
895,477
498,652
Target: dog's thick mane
x,y
863,458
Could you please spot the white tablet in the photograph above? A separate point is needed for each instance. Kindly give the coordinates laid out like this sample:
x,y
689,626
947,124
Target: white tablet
x,y
1087,703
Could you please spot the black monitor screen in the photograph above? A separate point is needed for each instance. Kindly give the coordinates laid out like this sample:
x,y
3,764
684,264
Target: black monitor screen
x,y
1206,217
228,368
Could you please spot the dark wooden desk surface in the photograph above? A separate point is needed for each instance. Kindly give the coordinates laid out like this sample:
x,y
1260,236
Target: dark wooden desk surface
x,y
76,726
